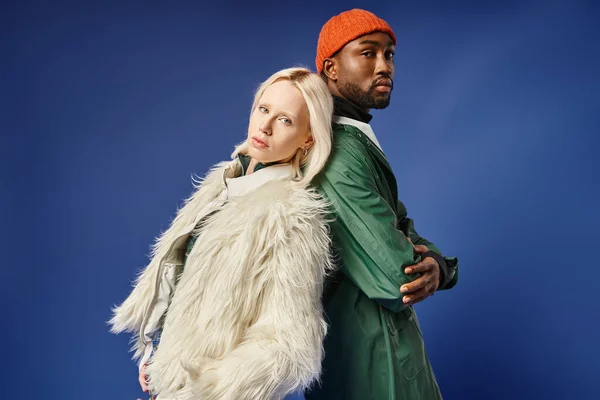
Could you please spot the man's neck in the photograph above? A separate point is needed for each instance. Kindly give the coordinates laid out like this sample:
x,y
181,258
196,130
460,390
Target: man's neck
x,y
345,108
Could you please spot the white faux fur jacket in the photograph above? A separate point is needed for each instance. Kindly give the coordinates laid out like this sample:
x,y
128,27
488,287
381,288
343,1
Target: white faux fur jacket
x,y
245,320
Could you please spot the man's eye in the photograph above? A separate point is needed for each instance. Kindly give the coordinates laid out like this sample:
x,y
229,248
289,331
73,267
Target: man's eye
x,y
390,55
368,53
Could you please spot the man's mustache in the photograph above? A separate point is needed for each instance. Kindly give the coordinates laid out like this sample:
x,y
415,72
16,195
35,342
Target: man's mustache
x,y
386,80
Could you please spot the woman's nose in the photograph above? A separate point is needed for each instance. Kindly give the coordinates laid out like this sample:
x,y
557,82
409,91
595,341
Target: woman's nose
x,y
265,126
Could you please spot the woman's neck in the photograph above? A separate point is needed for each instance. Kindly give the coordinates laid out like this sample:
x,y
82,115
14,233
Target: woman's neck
x,y
251,166
253,163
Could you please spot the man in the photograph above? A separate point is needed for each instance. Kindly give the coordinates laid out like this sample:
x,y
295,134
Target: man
x,y
374,349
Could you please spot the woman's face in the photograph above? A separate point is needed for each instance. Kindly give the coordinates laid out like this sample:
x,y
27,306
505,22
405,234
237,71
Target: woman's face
x,y
279,125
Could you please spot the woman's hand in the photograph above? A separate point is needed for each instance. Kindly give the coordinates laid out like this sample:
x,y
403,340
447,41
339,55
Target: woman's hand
x,y
143,378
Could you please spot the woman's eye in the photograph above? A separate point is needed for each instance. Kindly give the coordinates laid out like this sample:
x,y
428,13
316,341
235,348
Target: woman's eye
x,y
263,109
286,121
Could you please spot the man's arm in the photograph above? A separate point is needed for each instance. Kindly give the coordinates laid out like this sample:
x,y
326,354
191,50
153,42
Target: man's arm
x,y
448,265
374,252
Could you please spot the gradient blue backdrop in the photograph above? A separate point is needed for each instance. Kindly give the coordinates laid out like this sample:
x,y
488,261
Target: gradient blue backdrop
x,y
107,110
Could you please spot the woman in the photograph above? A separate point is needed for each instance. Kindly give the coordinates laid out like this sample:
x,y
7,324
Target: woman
x,y
234,285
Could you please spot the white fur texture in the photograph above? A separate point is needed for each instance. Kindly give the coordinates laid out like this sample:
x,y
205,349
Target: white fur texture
x,y
245,321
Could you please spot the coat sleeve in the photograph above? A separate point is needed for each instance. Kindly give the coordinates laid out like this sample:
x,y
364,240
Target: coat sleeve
x,y
373,251
129,315
281,352
450,269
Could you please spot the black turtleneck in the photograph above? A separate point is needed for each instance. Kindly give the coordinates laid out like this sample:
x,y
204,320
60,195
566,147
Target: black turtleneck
x,y
345,108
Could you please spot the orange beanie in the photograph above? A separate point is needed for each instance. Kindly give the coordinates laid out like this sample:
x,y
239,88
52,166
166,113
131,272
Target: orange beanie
x,y
346,27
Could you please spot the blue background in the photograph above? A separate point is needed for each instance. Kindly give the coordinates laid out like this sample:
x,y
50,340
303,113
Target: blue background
x,y
107,110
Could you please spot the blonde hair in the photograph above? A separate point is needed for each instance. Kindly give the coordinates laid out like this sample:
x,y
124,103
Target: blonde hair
x,y
320,110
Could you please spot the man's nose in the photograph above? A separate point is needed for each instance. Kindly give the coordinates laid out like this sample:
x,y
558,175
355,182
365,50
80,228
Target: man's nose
x,y
384,66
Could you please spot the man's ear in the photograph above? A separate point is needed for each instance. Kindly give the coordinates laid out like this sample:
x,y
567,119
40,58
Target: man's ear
x,y
330,69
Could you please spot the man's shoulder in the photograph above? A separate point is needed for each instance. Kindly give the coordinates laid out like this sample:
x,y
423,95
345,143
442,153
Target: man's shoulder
x,y
340,127
347,137
349,154
347,147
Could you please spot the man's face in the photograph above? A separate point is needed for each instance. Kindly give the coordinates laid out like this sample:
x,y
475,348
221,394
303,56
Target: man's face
x,y
365,69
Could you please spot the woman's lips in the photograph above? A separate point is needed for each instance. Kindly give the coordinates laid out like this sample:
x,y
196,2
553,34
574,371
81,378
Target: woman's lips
x,y
259,143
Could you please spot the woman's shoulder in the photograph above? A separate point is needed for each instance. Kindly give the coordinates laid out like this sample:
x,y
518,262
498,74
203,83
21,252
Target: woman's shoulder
x,y
214,174
288,199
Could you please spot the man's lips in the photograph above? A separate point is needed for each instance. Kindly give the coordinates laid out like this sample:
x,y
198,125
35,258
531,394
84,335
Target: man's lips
x,y
383,85
384,82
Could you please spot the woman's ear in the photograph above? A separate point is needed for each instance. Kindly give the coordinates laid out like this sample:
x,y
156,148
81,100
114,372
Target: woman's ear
x,y
310,140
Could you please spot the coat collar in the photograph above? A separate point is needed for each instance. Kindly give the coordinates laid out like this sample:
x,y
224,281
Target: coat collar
x,y
239,185
365,128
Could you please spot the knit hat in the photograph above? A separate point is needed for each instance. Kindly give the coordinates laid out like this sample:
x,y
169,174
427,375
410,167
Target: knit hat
x,y
344,28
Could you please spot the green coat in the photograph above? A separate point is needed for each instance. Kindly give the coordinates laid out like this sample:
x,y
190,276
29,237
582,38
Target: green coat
x,y
374,348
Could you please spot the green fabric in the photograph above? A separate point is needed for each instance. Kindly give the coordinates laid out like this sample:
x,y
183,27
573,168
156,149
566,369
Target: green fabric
x,y
407,225
245,160
374,348
191,242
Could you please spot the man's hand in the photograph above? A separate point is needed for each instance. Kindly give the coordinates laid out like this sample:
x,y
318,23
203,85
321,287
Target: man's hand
x,y
426,284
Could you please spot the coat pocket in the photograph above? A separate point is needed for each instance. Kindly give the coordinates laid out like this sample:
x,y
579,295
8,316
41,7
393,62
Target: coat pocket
x,y
407,342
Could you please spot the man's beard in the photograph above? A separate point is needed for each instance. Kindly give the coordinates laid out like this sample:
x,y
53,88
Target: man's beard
x,y
366,99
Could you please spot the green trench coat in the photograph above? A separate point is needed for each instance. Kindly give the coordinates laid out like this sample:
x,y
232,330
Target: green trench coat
x,y
374,348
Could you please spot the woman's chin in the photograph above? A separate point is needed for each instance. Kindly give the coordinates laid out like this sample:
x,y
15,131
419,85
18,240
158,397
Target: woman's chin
x,y
258,156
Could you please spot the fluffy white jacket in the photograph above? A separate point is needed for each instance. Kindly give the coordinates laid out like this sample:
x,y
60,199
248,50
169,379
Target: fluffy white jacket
x,y
245,320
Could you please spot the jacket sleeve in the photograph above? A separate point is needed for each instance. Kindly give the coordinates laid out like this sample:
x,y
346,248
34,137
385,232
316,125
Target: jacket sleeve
x,y
129,315
281,352
449,265
374,252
